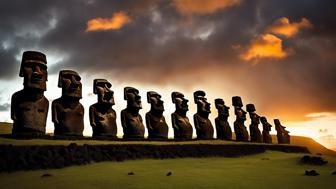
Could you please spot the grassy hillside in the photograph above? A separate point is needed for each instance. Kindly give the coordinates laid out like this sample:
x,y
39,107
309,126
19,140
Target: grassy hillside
x,y
268,170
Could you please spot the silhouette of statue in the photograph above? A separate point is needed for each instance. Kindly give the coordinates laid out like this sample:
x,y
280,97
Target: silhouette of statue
x,y
204,129
67,111
155,121
29,106
282,133
131,120
255,133
267,138
239,127
102,116
181,125
222,125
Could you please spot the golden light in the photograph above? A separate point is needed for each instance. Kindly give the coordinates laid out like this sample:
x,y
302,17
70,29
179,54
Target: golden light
x,y
203,7
265,46
284,27
117,21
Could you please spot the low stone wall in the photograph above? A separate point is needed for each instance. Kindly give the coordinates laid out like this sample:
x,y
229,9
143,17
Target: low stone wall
x,y
15,158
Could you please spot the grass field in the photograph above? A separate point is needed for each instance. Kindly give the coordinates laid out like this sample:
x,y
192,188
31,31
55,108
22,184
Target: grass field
x,y
267,170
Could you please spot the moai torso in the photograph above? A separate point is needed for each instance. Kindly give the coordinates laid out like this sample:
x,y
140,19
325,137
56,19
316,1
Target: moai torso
x,y
204,128
180,122
29,114
155,121
67,111
158,127
29,107
239,127
181,125
102,116
131,120
267,138
104,121
69,116
255,133
222,125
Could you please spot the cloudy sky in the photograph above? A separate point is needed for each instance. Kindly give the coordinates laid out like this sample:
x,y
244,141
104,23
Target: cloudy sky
x,y
279,55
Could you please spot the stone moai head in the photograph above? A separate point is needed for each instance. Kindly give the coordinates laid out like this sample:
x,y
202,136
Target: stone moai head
x,y
180,102
250,108
102,88
34,70
202,104
222,109
277,122
70,82
255,118
238,104
133,98
155,100
237,101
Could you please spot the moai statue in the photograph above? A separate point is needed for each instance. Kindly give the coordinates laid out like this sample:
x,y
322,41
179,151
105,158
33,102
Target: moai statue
x,y
239,127
155,121
131,120
67,111
102,116
29,107
204,129
222,125
282,133
181,125
267,138
255,133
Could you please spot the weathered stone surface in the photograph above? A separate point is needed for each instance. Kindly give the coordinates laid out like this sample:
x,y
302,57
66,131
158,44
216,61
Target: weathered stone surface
x,y
282,134
255,134
67,111
102,116
131,120
267,138
204,128
223,128
180,122
29,107
155,121
239,127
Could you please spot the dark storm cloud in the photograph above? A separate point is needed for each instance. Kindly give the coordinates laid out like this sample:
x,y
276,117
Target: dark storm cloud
x,y
162,43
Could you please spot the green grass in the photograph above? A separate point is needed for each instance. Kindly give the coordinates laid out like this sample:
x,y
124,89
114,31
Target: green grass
x,y
279,170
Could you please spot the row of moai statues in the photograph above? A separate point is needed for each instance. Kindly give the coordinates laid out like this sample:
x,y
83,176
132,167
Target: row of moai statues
x,y
29,109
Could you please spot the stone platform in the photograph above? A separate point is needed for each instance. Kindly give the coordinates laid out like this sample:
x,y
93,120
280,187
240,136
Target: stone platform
x,y
32,157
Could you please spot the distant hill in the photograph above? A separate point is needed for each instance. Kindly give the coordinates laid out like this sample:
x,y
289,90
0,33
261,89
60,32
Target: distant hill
x,y
313,146
5,128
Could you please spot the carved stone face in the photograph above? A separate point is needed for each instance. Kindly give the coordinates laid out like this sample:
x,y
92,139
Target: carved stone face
x,y
71,84
241,114
133,98
180,102
202,104
103,89
155,100
255,118
263,120
34,70
222,109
